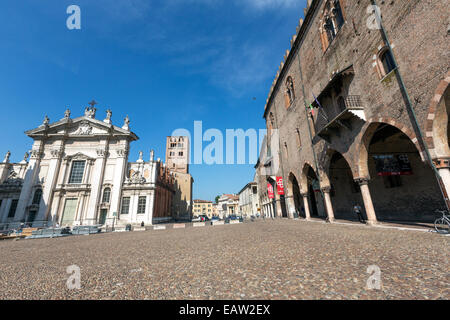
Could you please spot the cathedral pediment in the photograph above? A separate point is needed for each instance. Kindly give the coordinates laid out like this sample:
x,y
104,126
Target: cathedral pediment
x,y
80,127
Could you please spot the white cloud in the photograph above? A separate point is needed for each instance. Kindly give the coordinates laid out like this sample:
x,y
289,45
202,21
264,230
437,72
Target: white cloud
x,y
229,61
263,4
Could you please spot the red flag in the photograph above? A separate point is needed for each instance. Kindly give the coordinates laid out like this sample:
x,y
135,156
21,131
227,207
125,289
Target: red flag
x,y
270,191
280,187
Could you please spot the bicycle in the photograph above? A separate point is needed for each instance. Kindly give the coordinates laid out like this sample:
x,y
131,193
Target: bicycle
x,y
442,225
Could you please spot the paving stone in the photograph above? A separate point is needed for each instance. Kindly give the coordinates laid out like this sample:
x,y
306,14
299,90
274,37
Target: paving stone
x,y
282,259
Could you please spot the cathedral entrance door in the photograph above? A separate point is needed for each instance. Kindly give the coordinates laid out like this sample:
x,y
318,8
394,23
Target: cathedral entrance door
x,y
70,208
31,216
103,213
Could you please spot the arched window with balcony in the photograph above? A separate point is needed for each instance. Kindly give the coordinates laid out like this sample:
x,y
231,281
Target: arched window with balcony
x,y
106,195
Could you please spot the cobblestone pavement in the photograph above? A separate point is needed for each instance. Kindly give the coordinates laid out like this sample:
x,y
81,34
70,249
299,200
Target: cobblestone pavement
x,y
281,259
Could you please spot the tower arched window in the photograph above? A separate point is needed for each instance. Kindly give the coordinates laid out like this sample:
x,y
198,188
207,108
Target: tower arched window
x,y
106,195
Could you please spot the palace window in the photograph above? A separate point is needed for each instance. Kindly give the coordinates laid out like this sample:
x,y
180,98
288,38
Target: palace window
x,y
106,195
387,63
290,92
37,197
125,205
180,153
332,21
76,174
299,138
141,205
12,208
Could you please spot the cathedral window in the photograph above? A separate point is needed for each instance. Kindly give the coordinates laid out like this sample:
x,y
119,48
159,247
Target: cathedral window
x,y
76,174
141,205
106,195
125,205
12,208
37,197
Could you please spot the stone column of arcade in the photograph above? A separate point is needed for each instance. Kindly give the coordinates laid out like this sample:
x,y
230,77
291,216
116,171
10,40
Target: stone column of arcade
x,y
290,206
443,167
306,205
328,204
367,198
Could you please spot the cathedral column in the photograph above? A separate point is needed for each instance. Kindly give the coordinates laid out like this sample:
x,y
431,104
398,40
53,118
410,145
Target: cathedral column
x,y
367,199
96,181
80,210
328,204
45,212
29,180
58,198
306,205
118,180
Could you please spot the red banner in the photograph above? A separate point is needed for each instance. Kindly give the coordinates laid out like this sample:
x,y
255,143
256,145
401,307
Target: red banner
x,y
270,191
280,187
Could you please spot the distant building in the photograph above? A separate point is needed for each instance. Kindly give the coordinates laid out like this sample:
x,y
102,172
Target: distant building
x,y
249,200
267,205
203,208
177,159
215,211
228,205
78,174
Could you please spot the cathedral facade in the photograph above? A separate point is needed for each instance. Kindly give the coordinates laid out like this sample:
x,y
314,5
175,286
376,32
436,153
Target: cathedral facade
x,y
77,173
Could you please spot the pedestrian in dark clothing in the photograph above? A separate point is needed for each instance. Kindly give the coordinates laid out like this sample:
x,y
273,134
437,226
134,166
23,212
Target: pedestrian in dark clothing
x,y
358,211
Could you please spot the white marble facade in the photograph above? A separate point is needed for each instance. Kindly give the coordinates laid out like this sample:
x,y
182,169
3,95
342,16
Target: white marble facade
x,y
78,173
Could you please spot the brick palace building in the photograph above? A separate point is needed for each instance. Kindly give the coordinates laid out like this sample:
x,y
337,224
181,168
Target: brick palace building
x,y
358,113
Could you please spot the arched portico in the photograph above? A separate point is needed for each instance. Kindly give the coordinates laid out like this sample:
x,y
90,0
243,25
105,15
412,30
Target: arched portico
x,y
295,197
345,190
403,187
311,188
438,131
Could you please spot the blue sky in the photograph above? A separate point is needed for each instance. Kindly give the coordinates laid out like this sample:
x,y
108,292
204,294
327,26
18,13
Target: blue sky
x,y
164,63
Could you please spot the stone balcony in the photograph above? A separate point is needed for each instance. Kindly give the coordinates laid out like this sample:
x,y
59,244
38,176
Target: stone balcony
x,y
331,123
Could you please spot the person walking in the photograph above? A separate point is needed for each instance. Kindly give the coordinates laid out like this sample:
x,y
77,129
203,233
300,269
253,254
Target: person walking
x,y
358,211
